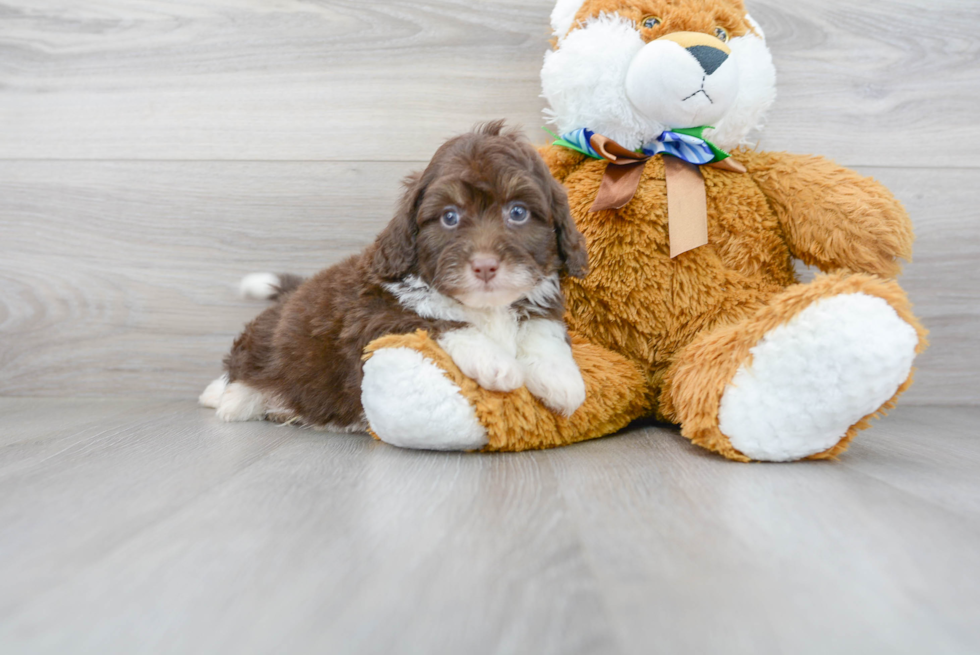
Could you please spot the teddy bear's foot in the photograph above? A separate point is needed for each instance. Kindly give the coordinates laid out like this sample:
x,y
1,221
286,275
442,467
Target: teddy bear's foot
x,y
410,403
811,379
801,377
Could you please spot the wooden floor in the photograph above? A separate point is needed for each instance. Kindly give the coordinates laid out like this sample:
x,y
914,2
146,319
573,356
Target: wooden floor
x,y
139,526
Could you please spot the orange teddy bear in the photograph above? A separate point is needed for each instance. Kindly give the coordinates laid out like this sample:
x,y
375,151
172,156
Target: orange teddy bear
x,y
692,311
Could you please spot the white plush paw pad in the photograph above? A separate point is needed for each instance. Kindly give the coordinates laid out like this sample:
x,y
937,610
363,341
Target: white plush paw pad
x,y
211,396
241,402
811,379
410,403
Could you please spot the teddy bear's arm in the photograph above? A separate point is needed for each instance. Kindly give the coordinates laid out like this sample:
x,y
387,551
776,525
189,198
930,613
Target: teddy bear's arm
x,y
832,217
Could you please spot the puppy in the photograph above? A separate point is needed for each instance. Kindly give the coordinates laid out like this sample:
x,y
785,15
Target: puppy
x,y
473,256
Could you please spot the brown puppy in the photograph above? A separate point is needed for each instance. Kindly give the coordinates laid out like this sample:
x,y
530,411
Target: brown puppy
x,y
473,256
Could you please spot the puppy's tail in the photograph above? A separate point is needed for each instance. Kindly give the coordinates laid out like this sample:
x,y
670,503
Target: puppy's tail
x,y
268,286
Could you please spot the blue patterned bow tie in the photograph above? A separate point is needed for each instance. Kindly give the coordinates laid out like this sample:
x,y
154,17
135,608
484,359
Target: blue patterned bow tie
x,y
687,144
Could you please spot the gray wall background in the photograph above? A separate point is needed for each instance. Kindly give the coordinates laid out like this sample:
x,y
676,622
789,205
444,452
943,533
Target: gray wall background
x,y
152,152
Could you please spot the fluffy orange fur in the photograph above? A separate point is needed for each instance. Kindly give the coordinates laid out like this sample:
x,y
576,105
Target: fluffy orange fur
x,y
689,16
663,337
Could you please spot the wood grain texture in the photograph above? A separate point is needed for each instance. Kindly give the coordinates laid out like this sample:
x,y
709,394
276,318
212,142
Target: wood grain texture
x,y
159,530
943,279
320,543
117,270
873,83
118,278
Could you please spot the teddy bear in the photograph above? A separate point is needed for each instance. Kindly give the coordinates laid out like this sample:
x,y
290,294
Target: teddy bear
x,y
692,311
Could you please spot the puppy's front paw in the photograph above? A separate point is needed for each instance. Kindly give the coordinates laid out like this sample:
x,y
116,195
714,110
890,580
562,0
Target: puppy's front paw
x,y
482,360
492,370
558,384
550,371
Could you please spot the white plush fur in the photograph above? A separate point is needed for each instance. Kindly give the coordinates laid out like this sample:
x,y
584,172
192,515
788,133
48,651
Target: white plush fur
x,y
410,403
240,402
563,16
585,83
756,93
259,286
550,371
213,392
812,378
667,86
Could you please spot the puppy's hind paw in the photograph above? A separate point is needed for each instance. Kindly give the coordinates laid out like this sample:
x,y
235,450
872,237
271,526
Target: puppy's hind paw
x,y
211,397
241,402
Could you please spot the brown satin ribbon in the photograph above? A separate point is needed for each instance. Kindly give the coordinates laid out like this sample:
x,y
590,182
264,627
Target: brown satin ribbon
x,y
687,208
622,176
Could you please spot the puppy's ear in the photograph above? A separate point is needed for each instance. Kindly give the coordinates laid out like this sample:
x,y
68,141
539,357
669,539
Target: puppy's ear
x,y
571,244
394,249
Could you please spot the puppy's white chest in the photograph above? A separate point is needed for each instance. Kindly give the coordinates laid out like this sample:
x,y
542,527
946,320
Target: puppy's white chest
x,y
499,326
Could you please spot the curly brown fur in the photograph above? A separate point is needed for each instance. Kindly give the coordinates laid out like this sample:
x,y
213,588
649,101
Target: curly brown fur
x,y
300,359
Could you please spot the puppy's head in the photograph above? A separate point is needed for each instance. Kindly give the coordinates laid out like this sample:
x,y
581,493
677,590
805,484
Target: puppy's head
x,y
484,223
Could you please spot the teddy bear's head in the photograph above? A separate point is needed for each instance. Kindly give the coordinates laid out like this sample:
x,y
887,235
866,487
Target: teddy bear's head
x,y
631,69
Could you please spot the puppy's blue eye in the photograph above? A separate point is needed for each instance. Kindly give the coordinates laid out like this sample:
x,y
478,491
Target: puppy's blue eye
x,y
518,214
450,218
650,22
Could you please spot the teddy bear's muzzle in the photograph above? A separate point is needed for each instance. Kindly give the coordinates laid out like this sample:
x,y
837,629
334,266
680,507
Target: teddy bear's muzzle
x,y
682,80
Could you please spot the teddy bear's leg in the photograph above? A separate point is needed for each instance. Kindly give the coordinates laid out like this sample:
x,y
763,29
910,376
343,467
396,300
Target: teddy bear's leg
x,y
414,396
802,376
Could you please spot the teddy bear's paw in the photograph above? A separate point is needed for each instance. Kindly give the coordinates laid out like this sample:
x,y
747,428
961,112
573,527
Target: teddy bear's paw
x,y
482,360
812,378
410,403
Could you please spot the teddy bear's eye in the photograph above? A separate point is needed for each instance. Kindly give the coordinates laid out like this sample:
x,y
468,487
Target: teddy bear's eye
x,y
722,34
650,22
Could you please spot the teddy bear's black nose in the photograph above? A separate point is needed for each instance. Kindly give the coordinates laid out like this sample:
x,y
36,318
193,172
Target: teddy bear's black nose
x,y
709,58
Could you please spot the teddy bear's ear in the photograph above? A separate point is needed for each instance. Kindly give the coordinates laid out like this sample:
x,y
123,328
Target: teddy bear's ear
x,y
563,16
571,244
394,250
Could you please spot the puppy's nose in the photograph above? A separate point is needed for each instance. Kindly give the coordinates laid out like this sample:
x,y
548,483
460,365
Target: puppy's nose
x,y
485,268
709,58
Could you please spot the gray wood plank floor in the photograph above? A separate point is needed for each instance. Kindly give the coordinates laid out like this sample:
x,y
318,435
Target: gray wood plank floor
x,y
140,526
